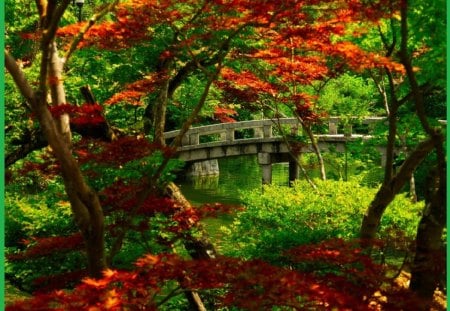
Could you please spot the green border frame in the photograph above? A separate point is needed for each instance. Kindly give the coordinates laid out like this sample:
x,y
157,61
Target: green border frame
x,y
2,135
2,153
447,29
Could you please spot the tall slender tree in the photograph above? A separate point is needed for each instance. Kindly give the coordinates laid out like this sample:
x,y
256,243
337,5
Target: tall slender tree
x,y
428,264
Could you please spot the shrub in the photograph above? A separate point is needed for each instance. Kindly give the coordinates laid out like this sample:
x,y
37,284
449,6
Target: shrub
x,y
280,218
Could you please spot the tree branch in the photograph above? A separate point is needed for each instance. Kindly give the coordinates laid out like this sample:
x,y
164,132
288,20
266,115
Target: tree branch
x,y
82,32
31,141
55,16
406,61
19,78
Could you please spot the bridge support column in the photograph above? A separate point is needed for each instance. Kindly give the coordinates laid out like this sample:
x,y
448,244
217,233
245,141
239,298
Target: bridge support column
x,y
383,156
293,172
265,161
204,168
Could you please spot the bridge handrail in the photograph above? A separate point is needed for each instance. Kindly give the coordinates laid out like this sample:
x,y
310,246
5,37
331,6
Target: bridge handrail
x,y
262,128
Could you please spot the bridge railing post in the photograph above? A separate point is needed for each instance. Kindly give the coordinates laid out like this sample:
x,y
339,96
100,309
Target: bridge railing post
x,y
223,136
258,132
194,139
267,130
185,140
348,130
230,134
332,127
265,162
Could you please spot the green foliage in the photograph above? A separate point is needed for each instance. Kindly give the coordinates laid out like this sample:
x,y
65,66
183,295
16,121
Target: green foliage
x,y
18,122
45,212
280,218
126,117
35,215
15,27
104,71
359,160
428,40
348,95
25,273
371,177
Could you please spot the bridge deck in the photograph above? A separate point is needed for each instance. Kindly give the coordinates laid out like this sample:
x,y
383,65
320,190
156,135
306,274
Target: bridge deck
x,y
222,140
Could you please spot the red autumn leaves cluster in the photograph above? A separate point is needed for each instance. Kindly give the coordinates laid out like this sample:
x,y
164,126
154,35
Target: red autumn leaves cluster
x,y
118,152
86,114
38,247
251,285
125,196
290,42
133,93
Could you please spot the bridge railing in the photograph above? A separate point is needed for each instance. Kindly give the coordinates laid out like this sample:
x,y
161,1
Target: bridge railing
x,y
266,129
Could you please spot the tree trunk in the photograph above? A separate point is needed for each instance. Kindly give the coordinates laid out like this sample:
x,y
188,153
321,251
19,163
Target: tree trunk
x,y
412,189
84,202
30,141
390,145
159,114
198,247
58,95
429,261
323,174
388,191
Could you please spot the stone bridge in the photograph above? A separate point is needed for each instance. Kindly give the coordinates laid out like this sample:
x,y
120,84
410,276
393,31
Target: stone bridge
x,y
264,138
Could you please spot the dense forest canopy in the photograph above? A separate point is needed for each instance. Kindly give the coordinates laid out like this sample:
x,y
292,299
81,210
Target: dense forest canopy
x,y
91,87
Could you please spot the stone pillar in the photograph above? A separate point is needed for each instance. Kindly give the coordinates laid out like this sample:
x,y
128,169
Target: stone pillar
x,y
348,130
264,160
230,134
258,132
332,128
185,140
293,172
194,139
204,168
383,157
267,130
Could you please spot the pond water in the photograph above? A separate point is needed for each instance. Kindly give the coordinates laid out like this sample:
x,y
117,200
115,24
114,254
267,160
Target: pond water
x,y
242,173
237,174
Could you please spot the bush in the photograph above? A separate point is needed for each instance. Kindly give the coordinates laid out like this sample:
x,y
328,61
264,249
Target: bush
x,y
31,217
280,218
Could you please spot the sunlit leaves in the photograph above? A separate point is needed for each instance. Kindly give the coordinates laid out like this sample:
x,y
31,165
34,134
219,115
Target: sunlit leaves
x,y
347,95
247,79
224,115
134,92
294,39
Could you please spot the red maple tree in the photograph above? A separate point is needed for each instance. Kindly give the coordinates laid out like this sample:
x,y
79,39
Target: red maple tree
x,y
287,43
